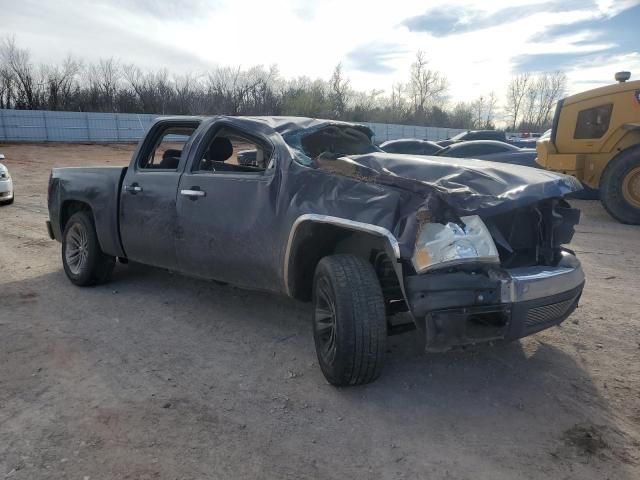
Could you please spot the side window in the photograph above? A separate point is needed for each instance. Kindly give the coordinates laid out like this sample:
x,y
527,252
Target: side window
x,y
460,152
415,149
165,153
593,122
488,149
233,151
411,148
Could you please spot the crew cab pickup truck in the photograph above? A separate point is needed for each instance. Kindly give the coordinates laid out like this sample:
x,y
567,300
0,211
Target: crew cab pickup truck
x,y
462,251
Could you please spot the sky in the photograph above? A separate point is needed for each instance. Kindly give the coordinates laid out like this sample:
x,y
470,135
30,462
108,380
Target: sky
x,y
477,45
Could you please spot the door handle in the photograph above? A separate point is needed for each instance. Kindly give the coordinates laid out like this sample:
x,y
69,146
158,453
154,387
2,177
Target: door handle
x,y
133,188
193,193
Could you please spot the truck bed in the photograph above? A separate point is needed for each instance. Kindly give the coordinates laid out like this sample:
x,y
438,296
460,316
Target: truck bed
x,y
98,187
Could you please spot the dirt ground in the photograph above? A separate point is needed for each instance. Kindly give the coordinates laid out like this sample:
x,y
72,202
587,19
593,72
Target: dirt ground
x,y
157,376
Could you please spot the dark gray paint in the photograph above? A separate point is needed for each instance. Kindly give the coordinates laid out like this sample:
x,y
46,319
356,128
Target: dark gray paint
x,y
239,231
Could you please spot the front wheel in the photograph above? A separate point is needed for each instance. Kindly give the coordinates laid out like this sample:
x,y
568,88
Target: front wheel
x,y
620,187
349,320
83,260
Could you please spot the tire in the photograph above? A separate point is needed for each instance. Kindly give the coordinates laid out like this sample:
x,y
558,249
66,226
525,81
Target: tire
x,y
7,202
620,187
83,260
349,320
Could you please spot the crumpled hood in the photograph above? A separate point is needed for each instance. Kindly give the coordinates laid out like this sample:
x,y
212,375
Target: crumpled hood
x,y
473,186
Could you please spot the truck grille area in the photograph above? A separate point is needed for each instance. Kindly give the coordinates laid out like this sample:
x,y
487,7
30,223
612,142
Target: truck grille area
x,y
543,313
539,317
533,235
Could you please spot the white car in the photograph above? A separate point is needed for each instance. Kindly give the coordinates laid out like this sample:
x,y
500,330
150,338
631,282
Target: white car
x,y
6,184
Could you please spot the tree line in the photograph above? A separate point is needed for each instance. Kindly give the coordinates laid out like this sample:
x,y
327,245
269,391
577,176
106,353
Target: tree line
x,y
109,85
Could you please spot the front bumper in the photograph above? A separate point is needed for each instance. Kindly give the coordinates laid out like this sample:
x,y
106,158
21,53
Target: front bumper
x,y
462,308
6,190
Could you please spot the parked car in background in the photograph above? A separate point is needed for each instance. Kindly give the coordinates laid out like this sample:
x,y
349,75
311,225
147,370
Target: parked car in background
x,y
6,184
411,146
491,150
475,135
506,153
523,142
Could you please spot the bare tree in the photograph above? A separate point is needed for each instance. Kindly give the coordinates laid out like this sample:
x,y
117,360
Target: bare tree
x,y
6,87
60,81
550,88
153,89
462,116
398,107
340,91
516,94
425,85
28,92
231,87
104,82
185,88
483,111
109,86
542,93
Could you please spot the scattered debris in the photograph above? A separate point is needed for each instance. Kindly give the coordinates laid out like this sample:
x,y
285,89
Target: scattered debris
x,y
586,438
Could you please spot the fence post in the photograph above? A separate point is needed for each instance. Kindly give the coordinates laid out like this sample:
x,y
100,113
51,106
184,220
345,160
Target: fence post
x,y
46,128
117,127
4,130
140,123
86,119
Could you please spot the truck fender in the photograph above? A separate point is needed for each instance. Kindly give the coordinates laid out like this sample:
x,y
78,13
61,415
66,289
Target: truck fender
x,y
307,228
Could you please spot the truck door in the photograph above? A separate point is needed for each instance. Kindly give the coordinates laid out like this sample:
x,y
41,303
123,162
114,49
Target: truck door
x,y
148,198
226,210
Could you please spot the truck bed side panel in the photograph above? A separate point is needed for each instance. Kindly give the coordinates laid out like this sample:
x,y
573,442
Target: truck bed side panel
x,y
99,188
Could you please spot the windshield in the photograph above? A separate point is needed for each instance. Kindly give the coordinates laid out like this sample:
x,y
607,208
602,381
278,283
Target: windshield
x,y
459,136
330,142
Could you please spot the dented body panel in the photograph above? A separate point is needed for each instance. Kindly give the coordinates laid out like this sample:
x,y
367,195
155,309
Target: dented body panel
x,y
265,230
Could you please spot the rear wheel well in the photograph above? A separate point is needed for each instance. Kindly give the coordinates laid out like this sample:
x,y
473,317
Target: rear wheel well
x,y
313,241
70,207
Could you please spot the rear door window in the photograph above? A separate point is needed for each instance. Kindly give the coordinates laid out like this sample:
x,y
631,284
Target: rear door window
x,y
593,122
232,151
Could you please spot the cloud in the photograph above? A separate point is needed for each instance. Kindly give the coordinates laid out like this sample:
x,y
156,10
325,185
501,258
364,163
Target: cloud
x,y
447,20
476,45
452,21
610,35
50,32
620,30
549,62
305,9
375,57
163,9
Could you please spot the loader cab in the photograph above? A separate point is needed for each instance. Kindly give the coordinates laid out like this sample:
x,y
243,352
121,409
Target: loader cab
x,y
590,131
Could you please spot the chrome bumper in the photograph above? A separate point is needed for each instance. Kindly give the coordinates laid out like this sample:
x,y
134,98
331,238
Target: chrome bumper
x,y
460,308
532,283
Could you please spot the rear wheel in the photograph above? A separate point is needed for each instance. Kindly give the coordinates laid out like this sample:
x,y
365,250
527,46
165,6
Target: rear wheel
x,y
83,260
349,320
620,187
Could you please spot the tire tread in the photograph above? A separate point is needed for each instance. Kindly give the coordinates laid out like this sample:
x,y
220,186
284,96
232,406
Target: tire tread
x,y
360,306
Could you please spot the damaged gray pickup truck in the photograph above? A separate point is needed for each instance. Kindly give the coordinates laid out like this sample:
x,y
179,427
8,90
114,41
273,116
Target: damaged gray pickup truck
x,y
461,251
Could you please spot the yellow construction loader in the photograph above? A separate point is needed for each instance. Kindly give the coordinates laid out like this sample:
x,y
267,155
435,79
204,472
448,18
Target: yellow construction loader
x,y
596,138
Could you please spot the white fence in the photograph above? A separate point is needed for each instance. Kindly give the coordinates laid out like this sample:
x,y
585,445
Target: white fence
x,y
50,126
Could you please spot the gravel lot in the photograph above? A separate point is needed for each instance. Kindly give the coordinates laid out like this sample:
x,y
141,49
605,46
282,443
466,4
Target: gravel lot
x,y
159,376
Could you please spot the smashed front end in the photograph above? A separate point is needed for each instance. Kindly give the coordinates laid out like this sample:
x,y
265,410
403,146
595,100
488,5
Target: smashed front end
x,y
482,245
495,277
